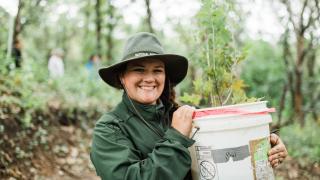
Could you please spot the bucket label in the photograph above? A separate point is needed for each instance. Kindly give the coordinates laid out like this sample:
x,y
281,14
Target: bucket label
x,y
208,169
235,153
259,159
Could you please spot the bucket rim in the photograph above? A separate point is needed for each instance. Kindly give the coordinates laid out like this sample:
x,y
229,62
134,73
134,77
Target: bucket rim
x,y
232,110
233,105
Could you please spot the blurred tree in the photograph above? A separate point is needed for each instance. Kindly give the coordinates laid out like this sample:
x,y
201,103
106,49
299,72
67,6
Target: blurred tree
x,y
264,73
17,23
149,16
24,17
302,24
4,31
106,20
113,20
98,26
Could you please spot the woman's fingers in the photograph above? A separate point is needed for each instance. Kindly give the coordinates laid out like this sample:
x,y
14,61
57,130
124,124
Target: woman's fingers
x,y
184,112
278,149
276,162
275,165
277,156
182,119
278,152
274,139
281,160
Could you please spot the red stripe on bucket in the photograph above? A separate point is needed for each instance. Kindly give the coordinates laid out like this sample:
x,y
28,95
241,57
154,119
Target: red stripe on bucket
x,y
229,111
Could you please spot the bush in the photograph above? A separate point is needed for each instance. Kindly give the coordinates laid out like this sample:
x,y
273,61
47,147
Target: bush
x,y
302,143
31,89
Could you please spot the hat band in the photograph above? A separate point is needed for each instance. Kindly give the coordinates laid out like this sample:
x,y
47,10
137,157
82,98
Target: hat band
x,y
140,54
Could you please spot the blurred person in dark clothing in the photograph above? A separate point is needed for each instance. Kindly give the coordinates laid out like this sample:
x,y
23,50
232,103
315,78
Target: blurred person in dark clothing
x,y
16,53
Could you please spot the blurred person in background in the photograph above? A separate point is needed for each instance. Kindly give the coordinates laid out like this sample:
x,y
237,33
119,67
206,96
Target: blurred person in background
x,y
92,66
16,53
55,64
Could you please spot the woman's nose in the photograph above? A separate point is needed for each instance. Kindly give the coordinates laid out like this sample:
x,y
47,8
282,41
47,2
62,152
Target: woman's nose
x,y
148,77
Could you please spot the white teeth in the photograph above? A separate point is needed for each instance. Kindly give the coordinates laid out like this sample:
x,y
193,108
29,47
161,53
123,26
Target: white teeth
x,y
147,87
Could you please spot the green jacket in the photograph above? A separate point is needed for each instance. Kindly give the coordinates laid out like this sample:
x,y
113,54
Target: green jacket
x,y
123,147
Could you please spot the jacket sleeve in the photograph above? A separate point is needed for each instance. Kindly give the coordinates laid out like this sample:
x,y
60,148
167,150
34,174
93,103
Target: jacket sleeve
x,y
115,157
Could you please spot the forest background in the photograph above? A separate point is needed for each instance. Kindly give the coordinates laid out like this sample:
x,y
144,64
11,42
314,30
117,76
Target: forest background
x,y
235,57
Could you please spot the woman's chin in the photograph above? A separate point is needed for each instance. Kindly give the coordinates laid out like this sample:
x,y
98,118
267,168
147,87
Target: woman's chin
x,y
148,101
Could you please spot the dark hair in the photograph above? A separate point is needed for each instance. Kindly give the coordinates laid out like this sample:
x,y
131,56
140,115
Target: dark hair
x,y
169,94
91,57
119,71
168,97
16,41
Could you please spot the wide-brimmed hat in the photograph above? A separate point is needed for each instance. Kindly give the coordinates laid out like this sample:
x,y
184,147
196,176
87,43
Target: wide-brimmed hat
x,y
145,45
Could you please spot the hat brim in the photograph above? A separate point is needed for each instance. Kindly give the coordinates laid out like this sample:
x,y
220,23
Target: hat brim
x,y
176,68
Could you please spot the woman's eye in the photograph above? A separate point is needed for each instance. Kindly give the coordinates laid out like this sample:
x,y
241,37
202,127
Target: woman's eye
x,y
138,70
158,70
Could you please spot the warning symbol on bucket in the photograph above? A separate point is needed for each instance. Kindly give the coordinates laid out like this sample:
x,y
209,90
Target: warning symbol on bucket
x,y
207,170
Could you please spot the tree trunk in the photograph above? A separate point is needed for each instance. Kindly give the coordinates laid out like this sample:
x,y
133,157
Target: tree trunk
x,y
304,22
87,17
289,86
98,26
298,97
314,96
17,23
282,103
149,16
110,44
111,25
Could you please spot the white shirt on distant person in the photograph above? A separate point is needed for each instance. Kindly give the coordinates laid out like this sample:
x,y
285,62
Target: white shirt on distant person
x,y
56,66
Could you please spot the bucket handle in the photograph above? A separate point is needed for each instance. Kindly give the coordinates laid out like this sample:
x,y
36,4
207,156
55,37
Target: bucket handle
x,y
197,129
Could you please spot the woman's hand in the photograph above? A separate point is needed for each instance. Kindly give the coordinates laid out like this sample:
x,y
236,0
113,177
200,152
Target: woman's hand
x,y
278,152
182,119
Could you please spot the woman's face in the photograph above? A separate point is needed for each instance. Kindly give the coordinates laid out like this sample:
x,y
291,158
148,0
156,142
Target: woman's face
x,y
144,80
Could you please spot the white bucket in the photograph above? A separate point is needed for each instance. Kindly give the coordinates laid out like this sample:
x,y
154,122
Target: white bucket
x,y
232,143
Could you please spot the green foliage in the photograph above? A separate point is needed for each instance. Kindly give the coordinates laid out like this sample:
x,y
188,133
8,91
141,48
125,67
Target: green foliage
x,y
217,57
192,98
30,89
303,143
31,102
4,31
263,71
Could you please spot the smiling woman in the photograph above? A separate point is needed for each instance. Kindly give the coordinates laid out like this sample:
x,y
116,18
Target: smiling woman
x,y
147,135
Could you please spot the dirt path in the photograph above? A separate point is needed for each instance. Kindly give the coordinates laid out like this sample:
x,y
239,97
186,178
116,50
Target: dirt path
x,y
71,159
291,169
65,157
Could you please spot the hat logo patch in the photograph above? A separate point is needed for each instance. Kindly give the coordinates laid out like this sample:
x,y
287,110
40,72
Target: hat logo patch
x,y
144,54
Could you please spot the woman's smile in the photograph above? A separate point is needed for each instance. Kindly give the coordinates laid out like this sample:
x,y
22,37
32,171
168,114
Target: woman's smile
x,y
147,87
